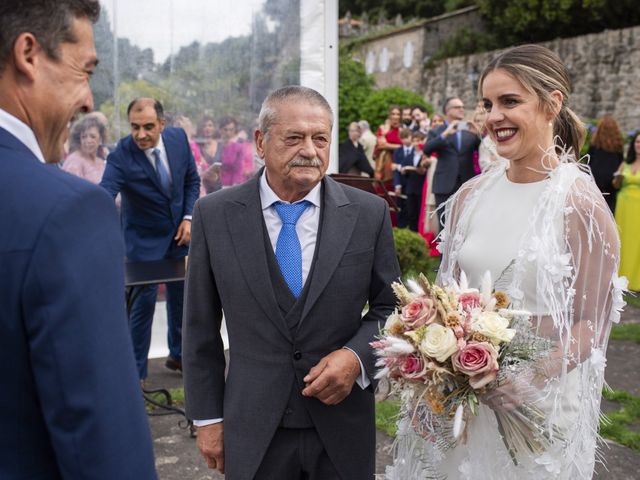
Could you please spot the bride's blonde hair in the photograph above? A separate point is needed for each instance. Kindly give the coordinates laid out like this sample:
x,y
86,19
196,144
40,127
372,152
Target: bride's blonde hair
x,y
540,71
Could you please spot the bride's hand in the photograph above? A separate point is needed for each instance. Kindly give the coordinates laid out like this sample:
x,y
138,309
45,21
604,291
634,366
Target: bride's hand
x,y
509,395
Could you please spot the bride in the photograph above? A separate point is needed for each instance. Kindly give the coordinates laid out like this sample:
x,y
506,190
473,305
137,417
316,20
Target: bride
x,y
539,224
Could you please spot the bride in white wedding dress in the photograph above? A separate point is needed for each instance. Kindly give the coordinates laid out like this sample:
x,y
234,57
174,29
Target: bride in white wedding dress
x,y
539,224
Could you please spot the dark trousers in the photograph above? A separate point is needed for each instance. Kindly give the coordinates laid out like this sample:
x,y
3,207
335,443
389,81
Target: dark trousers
x,y
296,454
402,218
413,204
141,318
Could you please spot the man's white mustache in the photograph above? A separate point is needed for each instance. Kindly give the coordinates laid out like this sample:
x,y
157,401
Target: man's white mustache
x,y
305,162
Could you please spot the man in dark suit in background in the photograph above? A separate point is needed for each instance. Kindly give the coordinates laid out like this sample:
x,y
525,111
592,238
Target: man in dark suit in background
x,y
155,172
71,405
292,257
455,146
351,156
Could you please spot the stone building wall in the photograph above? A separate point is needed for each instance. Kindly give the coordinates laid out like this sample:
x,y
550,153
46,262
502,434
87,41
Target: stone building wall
x,y
604,67
396,58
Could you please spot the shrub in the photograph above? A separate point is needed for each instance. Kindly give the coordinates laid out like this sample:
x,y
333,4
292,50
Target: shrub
x,y
354,87
376,108
413,254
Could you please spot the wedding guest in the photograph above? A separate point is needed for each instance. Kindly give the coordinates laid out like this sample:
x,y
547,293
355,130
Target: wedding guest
x,y
627,179
605,156
202,166
87,135
211,152
351,156
71,404
540,226
387,140
367,140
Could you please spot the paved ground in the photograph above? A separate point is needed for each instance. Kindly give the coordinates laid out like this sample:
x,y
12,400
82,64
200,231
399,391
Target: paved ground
x,y
177,458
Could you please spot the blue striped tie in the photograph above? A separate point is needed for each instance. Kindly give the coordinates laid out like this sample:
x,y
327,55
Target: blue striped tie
x,y
288,250
161,170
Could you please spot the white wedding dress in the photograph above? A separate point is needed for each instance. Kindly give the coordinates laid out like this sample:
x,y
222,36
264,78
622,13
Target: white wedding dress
x,y
553,247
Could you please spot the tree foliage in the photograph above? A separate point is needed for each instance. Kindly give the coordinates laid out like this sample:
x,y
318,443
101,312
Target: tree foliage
x,y
517,21
377,9
354,88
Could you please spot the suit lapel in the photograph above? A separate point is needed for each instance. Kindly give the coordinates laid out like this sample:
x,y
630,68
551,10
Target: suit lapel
x,y
244,220
338,222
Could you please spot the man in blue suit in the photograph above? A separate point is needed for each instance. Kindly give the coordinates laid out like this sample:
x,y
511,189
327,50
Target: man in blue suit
x,y
455,146
154,170
71,404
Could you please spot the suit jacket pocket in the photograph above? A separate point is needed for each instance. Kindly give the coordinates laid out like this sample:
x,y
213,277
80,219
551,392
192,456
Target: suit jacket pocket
x,y
354,257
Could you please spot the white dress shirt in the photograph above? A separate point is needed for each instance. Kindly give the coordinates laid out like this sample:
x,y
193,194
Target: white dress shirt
x,y
307,230
22,132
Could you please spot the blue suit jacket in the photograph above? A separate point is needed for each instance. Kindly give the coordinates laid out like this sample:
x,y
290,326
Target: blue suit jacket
x,y
452,163
71,405
150,216
411,182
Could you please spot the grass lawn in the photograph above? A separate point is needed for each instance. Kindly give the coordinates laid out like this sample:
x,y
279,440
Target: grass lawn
x,y
629,332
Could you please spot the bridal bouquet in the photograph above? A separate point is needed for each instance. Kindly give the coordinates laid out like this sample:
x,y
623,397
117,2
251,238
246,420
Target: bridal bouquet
x,y
444,346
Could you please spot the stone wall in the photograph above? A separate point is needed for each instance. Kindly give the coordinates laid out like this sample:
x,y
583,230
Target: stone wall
x,y
604,67
396,58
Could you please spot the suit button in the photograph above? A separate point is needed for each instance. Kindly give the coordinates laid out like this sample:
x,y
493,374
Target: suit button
x,y
288,411
297,355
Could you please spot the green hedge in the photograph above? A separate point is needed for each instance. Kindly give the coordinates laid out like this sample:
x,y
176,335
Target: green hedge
x,y
413,254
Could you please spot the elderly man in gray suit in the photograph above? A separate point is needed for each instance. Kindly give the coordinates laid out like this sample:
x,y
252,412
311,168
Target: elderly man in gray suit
x,y
292,258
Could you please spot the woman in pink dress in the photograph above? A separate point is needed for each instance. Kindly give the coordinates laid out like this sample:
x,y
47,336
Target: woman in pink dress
x,y
84,161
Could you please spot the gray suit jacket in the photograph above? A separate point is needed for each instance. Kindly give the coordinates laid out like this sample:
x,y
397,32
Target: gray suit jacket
x,y
356,262
451,162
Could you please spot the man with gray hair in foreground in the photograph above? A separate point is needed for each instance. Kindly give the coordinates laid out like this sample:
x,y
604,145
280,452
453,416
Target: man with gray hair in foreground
x,y
292,258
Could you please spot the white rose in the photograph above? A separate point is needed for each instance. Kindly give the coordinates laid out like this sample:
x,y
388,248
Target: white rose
x,y
394,320
494,326
439,342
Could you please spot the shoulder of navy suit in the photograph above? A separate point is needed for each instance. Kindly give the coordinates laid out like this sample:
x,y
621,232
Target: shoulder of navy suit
x,y
345,194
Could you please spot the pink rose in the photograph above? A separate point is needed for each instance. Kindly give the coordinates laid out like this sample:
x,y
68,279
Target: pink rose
x,y
468,301
413,367
422,311
478,360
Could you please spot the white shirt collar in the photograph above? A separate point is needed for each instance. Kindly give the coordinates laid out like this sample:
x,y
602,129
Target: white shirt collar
x,y
268,197
160,146
22,132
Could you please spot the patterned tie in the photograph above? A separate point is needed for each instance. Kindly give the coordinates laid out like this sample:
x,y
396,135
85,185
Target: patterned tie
x,y
161,170
288,250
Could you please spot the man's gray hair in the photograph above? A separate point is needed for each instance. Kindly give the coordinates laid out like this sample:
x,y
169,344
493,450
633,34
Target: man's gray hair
x,y
289,94
364,125
50,21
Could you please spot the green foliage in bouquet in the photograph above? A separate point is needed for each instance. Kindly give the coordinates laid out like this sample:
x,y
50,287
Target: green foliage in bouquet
x,y
413,254
376,108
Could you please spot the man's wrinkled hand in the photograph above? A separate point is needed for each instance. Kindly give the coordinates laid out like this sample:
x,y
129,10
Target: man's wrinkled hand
x,y
332,378
211,445
183,235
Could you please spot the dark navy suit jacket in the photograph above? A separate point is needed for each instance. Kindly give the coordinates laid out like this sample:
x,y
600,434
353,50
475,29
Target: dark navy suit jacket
x,y
411,181
150,216
70,405
453,164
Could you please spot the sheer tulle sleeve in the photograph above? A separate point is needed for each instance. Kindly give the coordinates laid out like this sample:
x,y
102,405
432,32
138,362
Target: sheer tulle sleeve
x,y
594,290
